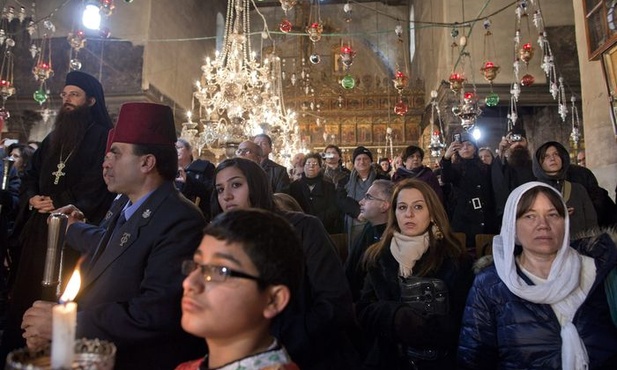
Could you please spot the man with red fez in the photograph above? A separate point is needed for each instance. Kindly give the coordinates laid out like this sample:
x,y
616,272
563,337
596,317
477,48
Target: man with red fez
x,y
131,276
64,170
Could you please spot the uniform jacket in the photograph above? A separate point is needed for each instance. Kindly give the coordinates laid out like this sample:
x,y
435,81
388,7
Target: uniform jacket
x,y
502,331
277,175
381,299
131,294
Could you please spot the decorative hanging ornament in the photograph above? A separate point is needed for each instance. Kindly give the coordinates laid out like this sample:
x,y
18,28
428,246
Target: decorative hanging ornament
x,y
526,52
107,7
40,96
347,9
456,81
400,81
401,108
489,70
287,5
347,56
42,71
348,82
492,99
315,58
314,31
6,89
527,80
77,40
285,26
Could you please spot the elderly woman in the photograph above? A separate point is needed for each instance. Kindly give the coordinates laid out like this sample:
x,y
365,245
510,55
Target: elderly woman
x,y
313,329
316,195
542,305
412,168
417,281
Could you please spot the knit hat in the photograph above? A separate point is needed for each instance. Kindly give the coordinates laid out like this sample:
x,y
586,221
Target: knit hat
x,y
145,124
361,150
93,88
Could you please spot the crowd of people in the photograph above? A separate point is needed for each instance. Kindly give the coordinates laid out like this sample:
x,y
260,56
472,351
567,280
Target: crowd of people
x,y
189,264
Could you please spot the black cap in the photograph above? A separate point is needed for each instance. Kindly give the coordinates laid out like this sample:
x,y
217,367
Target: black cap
x,y
93,88
361,150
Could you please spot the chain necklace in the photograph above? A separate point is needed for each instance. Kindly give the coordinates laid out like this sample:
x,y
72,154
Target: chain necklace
x,y
58,173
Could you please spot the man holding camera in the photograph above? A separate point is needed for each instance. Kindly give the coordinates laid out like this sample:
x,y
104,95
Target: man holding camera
x,y
512,166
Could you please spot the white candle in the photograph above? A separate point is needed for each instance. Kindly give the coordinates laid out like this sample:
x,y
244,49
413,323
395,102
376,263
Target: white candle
x,y
64,320
63,335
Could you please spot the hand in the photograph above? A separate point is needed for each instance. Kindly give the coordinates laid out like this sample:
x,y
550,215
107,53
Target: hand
x,y
570,211
181,176
361,217
75,215
453,148
504,144
42,203
37,324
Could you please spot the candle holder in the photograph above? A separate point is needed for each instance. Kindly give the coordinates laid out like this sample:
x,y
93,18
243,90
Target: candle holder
x,y
90,354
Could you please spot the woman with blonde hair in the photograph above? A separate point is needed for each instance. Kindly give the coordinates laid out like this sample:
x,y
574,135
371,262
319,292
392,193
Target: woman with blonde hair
x,y
417,281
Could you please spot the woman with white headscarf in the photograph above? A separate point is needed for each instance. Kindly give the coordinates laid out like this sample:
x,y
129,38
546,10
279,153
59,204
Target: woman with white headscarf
x,y
542,305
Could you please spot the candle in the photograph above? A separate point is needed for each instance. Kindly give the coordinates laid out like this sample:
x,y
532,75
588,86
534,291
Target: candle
x,y
64,320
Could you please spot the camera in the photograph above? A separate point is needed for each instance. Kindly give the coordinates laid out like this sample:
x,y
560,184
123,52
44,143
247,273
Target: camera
x,y
515,138
327,155
456,137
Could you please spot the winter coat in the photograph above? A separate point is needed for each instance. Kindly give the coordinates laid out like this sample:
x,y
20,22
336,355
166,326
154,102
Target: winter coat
x,y
584,216
277,174
472,207
319,202
377,313
502,331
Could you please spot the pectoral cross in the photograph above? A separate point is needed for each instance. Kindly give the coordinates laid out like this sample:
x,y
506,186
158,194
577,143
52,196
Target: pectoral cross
x,y
59,172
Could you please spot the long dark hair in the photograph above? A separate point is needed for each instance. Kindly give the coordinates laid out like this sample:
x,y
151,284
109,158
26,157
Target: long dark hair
x,y
260,189
439,249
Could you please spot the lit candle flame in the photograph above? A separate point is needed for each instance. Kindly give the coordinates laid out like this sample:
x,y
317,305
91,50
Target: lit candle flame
x,y
72,288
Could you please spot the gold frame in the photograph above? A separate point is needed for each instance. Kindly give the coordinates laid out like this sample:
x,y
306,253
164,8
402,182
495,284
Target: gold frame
x,y
609,63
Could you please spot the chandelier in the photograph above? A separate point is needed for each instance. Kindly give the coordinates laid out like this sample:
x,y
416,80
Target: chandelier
x,y
240,96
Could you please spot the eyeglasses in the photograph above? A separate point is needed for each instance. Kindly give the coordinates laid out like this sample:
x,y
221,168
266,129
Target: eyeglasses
x,y
214,273
311,164
71,94
368,196
243,151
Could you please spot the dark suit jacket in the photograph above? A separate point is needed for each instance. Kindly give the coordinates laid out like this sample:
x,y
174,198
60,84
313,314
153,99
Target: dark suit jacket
x,y
131,294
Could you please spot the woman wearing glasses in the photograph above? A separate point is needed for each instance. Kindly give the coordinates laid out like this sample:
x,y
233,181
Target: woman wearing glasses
x,y
316,195
313,331
417,281
245,272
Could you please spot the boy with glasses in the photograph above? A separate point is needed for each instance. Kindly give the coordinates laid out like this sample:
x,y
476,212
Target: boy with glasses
x,y
245,272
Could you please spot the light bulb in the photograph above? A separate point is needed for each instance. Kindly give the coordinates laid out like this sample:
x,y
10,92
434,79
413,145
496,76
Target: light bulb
x,y
91,18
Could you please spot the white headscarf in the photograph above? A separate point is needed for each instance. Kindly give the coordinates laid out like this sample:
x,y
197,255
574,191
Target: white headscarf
x,y
562,287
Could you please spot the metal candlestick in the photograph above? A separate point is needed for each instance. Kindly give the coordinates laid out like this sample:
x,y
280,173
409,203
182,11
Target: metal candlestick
x,y
55,241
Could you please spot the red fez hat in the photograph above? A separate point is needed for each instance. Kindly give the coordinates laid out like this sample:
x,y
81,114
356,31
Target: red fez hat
x,y
145,124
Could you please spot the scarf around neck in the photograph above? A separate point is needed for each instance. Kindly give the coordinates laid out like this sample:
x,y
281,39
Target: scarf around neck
x,y
407,250
562,288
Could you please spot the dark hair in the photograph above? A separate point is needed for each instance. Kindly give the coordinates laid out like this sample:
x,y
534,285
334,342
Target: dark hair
x,y
265,136
269,241
260,188
338,150
166,158
411,150
25,151
439,249
314,156
526,201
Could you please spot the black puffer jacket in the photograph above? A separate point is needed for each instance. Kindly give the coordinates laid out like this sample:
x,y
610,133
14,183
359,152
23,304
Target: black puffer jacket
x,y
503,331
